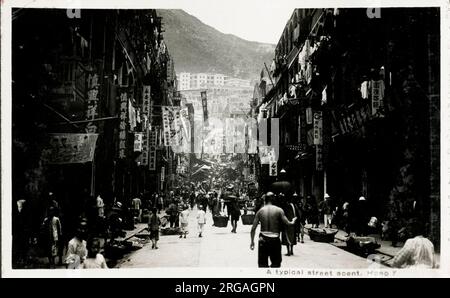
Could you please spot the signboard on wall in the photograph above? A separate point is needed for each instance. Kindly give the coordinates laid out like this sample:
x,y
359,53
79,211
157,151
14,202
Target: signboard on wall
x,y
318,127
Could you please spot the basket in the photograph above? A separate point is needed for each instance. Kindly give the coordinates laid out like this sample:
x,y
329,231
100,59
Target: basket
x,y
322,235
247,219
220,221
362,245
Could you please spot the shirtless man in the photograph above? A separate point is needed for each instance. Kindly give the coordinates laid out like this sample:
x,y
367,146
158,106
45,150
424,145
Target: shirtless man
x,y
272,219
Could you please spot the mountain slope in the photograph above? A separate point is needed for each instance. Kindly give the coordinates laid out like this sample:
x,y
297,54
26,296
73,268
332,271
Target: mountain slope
x,y
197,47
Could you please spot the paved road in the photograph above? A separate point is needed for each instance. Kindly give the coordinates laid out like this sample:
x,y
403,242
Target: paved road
x,y
220,248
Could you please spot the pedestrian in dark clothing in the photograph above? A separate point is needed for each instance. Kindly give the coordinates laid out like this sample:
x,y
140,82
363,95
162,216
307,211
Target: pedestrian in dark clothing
x,y
301,221
235,213
153,227
173,214
361,217
288,236
313,211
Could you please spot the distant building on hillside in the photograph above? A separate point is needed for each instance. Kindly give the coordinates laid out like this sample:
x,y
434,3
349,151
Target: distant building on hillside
x,y
190,81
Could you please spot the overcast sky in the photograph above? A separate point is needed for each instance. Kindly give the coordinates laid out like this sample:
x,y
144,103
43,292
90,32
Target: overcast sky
x,y
261,21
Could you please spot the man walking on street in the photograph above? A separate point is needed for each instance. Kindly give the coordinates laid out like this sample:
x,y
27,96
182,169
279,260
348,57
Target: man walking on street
x,y
326,210
272,219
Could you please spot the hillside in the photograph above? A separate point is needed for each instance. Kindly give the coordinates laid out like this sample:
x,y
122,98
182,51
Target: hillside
x,y
197,47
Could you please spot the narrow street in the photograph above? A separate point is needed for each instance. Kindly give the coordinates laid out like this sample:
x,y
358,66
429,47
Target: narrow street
x,y
220,248
123,119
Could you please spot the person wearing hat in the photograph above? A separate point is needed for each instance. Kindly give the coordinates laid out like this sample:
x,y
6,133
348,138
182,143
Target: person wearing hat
x,y
326,210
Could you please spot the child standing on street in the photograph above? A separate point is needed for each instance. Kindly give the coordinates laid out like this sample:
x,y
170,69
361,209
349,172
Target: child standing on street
x,y
95,259
184,220
201,220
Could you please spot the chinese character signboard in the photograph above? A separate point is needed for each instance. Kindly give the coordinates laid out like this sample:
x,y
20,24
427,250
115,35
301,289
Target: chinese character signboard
x,y
318,128
67,148
123,124
146,104
166,125
377,95
152,151
319,158
138,141
92,101
145,148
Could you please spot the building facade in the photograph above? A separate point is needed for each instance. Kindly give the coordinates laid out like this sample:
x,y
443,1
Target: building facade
x,y
356,99
97,85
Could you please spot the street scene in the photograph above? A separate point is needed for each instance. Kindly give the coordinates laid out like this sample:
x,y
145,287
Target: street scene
x,y
156,138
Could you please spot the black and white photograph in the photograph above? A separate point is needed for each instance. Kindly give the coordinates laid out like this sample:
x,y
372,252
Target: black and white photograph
x,y
219,135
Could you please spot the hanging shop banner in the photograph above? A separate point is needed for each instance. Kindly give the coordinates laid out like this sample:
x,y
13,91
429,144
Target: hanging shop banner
x,y
177,127
319,158
273,168
152,151
351,118
377,95
163,170
309,116
123,124
68,148
92,101
172,126
184,118
138,141
145,148
318,126
166,125
132,115
205,107
146,109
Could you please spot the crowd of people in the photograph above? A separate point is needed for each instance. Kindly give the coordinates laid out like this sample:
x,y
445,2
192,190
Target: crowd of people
x,y
79,242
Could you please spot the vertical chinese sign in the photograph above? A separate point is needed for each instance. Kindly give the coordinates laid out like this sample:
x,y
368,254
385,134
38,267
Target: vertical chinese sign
x,y
146,112
123,124
92,101
166,125
318,139
318,127
377,95
152,151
